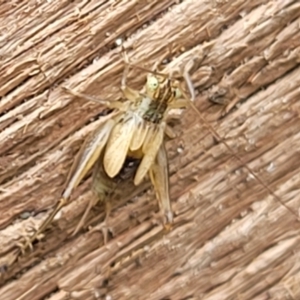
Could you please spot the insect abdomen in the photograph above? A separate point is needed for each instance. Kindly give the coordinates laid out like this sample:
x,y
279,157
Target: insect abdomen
x,y
119,186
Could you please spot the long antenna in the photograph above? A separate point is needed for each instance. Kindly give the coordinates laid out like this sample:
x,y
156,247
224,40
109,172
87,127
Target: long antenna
x,y
220,139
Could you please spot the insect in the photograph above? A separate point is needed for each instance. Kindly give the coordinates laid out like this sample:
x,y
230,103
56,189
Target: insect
x,y
127,147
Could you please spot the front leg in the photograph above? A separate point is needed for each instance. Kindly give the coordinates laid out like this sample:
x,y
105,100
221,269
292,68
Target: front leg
x,y
129,93
175,117
170,132
109,104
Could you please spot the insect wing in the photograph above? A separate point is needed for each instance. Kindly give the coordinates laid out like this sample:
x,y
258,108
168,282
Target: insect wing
x,y
88,155
151,146
118,145
159,174
139,136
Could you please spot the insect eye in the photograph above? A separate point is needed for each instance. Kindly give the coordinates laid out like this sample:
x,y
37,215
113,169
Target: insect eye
x,y
152,83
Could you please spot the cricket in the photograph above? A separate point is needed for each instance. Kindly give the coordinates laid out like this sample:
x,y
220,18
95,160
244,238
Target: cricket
x,y
128,147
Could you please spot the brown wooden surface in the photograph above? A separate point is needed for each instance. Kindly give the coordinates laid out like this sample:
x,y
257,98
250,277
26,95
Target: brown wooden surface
x,y
232,238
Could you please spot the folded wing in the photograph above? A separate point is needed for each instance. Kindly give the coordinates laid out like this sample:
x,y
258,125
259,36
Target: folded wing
x,y
88,155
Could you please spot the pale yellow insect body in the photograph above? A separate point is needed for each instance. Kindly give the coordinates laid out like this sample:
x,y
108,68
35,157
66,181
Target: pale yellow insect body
x,y
130,142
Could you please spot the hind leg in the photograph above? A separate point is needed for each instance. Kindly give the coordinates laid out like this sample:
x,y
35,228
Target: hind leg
x,y
29,240
93,201
104,226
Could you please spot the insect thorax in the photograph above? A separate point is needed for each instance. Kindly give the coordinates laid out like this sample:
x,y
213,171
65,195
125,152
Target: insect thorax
x,y
154,105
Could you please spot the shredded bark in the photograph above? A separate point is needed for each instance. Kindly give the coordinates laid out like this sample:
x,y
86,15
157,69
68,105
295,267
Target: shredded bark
x,y
236,208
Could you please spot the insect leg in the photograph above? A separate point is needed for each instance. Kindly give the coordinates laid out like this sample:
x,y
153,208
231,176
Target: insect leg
x,y
85,159
159,174
28,244
170,132
93,201
105,227
91,204
104,189
177,104
110,104
129,93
